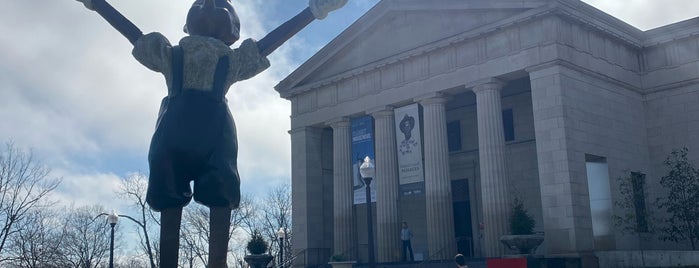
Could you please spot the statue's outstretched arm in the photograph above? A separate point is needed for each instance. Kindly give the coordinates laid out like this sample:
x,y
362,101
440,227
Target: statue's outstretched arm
x,y
116,19
318,9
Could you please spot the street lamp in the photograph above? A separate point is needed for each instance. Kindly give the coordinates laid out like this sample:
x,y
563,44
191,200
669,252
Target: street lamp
x,y
112,219
281,234
367,170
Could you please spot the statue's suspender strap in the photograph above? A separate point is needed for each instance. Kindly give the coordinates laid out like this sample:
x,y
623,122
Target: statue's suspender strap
x,y
219,85
177,71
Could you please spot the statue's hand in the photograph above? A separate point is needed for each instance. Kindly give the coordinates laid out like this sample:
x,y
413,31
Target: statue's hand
x,y
87,3
321,8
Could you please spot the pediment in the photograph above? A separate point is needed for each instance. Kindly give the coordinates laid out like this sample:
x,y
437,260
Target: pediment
x,y
401,31
399,26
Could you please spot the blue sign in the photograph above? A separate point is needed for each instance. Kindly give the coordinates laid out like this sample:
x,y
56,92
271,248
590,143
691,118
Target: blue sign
x,y
362,146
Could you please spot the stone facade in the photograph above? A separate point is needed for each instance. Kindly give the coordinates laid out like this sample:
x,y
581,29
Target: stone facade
x,y
579,83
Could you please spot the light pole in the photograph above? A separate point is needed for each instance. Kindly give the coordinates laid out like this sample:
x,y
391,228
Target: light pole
x,y
112,219
367,170
281,234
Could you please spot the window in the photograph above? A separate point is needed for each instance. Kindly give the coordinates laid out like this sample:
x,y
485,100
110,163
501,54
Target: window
x,y
600,201
508,124
638,181
454,136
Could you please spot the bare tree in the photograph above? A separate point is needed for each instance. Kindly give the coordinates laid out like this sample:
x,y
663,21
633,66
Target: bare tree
x,y
86,241
195,233
132,262
133,189
24,186
195,229
38,243
275,215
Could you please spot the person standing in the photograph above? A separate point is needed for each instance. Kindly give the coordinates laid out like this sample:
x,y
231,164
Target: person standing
x,y
405,235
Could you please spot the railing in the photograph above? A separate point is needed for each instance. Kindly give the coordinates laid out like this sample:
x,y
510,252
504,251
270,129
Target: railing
x,y
291,260
432,255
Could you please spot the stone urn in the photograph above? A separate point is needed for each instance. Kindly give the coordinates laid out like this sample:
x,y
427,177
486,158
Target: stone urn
x,y
258,260
523,244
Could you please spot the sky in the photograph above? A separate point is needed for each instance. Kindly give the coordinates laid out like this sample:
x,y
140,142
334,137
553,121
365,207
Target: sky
x,y
72,93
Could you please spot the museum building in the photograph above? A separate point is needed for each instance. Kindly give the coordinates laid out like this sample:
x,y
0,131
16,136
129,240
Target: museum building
x,y
465,105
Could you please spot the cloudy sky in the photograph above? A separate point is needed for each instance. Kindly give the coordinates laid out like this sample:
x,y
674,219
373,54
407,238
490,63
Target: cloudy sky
x,y
70,90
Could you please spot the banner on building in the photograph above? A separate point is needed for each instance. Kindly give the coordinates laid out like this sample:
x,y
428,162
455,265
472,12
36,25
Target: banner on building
x,y
409,146
362,146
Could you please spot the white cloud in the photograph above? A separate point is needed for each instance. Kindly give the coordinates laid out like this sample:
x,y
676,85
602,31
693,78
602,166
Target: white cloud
x,y
648,14
87,189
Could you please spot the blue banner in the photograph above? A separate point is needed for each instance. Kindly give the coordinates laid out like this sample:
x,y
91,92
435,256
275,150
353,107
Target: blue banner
x,y
362,146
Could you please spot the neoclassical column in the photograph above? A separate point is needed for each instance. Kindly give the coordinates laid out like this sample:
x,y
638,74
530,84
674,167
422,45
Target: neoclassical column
x,y
441,242
342,187
386,181
491,152
307,185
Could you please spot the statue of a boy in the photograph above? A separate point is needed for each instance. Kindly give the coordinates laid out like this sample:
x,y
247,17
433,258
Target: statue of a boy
x,y
195,138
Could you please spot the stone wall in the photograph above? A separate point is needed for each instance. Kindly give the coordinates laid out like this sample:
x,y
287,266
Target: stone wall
x,y
578,114
647,258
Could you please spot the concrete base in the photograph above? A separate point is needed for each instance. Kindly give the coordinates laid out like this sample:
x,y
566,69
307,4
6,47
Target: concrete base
x,y
647,258
537,261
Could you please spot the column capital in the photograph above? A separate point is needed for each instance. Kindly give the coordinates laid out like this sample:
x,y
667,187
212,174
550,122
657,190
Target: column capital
x,y
432,98
382,111
338,122
488,84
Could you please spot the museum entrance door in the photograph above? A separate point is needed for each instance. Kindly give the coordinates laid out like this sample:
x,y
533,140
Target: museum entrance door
x,y
462,217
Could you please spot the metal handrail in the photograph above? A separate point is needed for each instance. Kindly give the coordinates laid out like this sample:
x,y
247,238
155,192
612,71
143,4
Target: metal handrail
x,y
429,257
283,264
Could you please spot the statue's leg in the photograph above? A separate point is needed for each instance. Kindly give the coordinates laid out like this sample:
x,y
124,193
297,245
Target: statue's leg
x,y
170,220
219,225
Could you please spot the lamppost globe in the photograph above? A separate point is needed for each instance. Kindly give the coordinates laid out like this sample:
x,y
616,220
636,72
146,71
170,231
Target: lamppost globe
x,y
281,233
112,218
367,169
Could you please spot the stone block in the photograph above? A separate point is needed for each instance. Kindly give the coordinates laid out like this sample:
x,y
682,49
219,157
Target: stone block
x,y
531,34
327,96
369,83
468,53
347,90
416,68
655,57
307,102
391,75
497,45
442,61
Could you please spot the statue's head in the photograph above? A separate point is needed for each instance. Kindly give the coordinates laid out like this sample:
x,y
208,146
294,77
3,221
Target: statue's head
x,y
213,18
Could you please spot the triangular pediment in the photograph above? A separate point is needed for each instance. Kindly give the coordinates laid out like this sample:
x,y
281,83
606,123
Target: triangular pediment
x,y
401,31
399,26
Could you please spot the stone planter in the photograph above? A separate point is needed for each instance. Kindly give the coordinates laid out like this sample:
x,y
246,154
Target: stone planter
x,y
523,244
258,260
342,264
